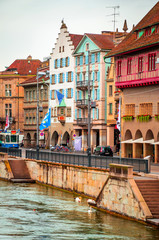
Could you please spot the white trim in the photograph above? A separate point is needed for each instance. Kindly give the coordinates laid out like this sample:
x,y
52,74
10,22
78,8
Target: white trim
x,y
127,141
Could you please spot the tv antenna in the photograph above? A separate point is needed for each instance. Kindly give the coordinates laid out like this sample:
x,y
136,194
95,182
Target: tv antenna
x,y
114,14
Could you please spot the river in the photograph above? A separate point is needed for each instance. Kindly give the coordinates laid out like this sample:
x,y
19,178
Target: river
x,y
32,211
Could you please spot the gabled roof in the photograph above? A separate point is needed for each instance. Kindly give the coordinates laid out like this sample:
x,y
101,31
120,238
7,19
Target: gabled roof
x,y
131,43
25,66
75,39
101,40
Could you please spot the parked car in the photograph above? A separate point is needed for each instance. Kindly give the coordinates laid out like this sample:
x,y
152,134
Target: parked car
x,y
103,151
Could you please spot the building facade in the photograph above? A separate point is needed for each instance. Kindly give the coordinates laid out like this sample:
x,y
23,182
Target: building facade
x,y
31,97
62,80
12,94
89,65
137,76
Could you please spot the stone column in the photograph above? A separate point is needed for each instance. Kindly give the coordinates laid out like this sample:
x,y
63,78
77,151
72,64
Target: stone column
x,y
103,137
110,136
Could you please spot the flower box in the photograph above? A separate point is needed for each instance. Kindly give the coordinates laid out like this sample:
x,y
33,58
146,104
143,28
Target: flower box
x,y
144,118
156,116
128,117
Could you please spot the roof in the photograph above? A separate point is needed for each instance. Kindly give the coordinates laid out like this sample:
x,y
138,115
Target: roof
x,y
75,39
101,40
131,43
33,80
25,66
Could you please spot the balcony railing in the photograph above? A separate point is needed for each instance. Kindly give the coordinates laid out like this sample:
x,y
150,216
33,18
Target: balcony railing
x,y
82,121
82,103
83,84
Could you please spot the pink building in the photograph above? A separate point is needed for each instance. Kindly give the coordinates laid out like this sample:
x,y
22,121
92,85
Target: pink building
x,y
137,76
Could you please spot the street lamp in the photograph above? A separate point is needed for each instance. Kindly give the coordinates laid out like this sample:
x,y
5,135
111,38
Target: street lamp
x,y
89,114
38,75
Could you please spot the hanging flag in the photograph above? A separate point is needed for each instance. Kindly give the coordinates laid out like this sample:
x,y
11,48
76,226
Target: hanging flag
x,y
46,122
60,96
7,123
118,120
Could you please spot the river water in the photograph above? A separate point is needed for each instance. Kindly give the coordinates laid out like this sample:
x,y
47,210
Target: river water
x,y
31,211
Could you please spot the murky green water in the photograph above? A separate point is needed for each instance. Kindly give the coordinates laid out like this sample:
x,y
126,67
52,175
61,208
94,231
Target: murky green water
x,y
30,211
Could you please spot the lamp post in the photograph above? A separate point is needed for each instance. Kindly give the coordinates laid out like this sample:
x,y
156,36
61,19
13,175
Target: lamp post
x,y
89,114
38,75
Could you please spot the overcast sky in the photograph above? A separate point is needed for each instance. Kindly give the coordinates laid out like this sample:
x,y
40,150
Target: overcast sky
x,y
30,27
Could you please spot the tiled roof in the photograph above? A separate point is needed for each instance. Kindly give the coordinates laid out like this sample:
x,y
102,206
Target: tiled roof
x,y
131,43
75,39
25,66
101,40
33,80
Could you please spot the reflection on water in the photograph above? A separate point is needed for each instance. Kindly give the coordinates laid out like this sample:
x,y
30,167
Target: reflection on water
x,y
30,211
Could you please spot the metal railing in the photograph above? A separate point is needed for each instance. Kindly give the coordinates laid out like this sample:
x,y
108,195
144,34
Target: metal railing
x,y
12,151
140,165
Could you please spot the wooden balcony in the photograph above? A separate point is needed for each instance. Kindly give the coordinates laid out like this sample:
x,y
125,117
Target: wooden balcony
x,y
83,85
82,103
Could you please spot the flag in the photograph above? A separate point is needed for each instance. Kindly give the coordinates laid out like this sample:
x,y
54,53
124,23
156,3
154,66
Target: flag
x,y
60,96
118,120
7,123
46,122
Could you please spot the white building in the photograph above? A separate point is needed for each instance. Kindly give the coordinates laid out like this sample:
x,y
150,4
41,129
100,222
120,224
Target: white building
x,y
62,80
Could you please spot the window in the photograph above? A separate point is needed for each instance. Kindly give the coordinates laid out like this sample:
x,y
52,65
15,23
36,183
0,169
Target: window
x,y
130,109
129,66
8,110
55,112
69,112
110,90
145,109
152,62
27,95
27,120
110,108
62,111
59,49
78,61
8,91
45,94
119,68
53,94
30,95
61,62
63,48
69,93
56,62
61,78
53,78
96,113
95,95
34,120
96,75
34,96
30,120
69,76
87,46
140,64
66,61
84,76
41,94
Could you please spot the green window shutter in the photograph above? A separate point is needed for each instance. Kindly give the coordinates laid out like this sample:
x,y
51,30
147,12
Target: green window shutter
x,y
76,96
72,76
68,61
98,76
63,77
75,114
66,93
97,113
98,94
50,79
55,78
71,92
93,113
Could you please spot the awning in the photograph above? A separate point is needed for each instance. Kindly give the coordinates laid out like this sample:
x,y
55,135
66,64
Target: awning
x,y
151,141
127,141
139,140
155,143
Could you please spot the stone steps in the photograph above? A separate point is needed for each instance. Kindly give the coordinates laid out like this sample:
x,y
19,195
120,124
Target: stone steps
x,y
150,192
20,171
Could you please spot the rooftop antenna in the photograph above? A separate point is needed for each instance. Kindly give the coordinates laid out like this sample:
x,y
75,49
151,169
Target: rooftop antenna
x,y
114,14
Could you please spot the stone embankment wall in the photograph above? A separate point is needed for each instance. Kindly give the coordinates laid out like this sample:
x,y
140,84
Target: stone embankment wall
x,y
114,191
83,180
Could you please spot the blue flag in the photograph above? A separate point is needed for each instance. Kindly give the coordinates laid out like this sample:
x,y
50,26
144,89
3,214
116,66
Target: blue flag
x,y
60,96
46,122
